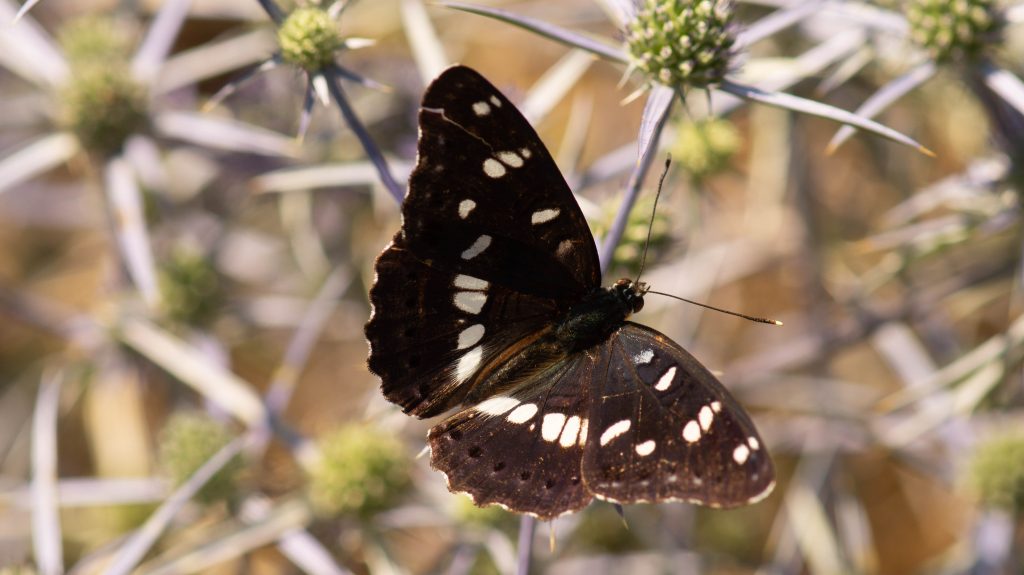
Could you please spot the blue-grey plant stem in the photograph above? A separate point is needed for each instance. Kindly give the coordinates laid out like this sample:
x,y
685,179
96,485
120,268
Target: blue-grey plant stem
x,y
305,337
525,544
1007,122
272,10
636,180
372,151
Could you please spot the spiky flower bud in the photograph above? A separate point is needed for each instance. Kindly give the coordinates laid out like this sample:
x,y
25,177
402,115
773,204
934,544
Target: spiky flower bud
x,y
361,471
101,104
952,30
996,473
187,441
96,39
682,43
192,290
309,38
628,253
704,147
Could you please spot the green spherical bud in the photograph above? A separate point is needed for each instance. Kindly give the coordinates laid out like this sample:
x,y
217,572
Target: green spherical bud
x,y
101,103
103,107
190,439
953,30
361,471
682,43
193,293
96,40
629,252
705,147
309,38
996,473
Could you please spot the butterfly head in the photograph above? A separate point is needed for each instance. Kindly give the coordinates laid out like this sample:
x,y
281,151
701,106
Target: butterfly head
x,y
632,293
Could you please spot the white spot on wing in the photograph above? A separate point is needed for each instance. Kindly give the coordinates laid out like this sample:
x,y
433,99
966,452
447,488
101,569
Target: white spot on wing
x,y
497,405
526,153
477,248
481,109
523,413
470,301
691,432
716,406
644,357
753,443
496,101
466,206
493,168
583,431
614,430
470,336
706,416
467,365
470,282
665,381
542,216
646,448
511,159
552,426
740,454
570,432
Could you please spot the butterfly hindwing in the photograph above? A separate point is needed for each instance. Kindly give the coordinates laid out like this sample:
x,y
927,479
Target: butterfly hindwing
x,y
487,199
522,451
663,428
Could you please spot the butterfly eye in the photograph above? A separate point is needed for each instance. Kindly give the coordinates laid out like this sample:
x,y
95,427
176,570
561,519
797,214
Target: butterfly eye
x,y
638,304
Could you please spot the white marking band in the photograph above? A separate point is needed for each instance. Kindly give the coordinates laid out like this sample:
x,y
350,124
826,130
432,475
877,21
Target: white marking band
x,y
614,430
665,381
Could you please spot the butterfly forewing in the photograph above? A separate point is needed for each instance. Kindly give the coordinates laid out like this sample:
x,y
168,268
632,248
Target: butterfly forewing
x,y
432,329
486,197
663,428
522,450
477,264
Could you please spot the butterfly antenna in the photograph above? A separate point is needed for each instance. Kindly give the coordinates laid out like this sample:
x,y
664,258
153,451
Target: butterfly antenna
x,y
654,210
718,309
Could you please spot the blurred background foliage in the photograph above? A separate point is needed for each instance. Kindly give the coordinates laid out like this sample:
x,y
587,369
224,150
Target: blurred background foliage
x,y
189,227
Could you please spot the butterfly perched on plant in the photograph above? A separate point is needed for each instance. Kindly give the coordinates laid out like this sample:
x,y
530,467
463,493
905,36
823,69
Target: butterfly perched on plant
x,y
489,299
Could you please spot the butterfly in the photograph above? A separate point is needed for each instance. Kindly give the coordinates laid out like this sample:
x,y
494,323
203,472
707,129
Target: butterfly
x,y
489,299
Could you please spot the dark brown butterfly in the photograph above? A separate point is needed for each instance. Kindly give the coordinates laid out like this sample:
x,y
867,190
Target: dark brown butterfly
x,y
489,298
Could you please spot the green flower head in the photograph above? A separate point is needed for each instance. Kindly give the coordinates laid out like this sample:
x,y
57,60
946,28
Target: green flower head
x,y
952,30
629,252
102,104
309,38
682,43
996,473
361,471
193,293
705,147
187,441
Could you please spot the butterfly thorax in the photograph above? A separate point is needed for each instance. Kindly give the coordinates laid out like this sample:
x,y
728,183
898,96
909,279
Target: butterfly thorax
x,y
600,313
587,324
